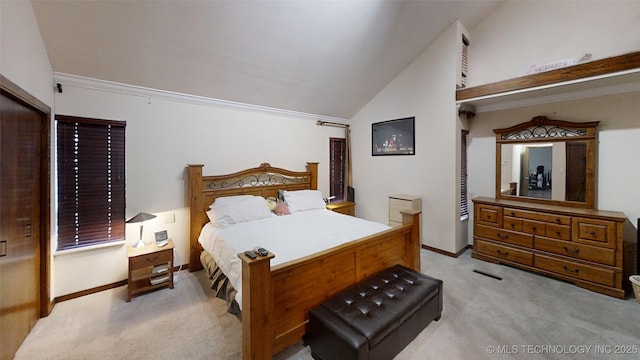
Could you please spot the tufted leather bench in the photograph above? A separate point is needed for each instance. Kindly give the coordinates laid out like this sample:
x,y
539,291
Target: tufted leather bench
x,y
375,318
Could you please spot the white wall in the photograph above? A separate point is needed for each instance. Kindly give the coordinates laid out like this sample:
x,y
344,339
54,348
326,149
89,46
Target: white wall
x,y
23,56
162,137
426,90
521,33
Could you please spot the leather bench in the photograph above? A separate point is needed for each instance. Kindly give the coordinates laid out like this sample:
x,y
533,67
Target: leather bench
x,y
375,318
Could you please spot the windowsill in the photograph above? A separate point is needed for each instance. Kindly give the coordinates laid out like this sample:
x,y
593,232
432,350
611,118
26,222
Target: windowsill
x,y
89,248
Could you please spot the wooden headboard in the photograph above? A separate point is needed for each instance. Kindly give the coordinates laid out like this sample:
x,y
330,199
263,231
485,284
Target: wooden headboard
x,y
263,180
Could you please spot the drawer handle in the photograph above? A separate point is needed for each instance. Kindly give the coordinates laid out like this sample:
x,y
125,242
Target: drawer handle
x,y
152,260
503,253
593,233
502,236
513,226
534,228
558,220
513,213
558,233
570,270
575,251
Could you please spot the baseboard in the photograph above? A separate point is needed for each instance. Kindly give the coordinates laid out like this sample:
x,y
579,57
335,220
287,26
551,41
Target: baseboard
x,y
101,288
455,255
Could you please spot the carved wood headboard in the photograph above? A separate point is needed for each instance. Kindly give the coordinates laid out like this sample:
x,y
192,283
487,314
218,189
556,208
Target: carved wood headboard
x,y
263,180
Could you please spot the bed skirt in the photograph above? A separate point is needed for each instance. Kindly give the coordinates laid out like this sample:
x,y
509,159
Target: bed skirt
x,y
220,283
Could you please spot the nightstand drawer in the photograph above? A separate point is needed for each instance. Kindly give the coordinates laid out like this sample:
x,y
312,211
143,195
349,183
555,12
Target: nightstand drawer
x,y
152,259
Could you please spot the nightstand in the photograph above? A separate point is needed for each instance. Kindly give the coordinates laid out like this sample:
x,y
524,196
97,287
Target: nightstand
x,y
343,207
150,268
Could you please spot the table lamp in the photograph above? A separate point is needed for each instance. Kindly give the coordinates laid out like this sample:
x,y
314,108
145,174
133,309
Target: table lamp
x,y
141,217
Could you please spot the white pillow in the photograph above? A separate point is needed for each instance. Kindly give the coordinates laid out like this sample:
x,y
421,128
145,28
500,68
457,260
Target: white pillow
x,y
227,200
302,200
249,209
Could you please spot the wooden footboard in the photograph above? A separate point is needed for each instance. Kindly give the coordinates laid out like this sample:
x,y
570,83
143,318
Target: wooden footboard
x,y
276,301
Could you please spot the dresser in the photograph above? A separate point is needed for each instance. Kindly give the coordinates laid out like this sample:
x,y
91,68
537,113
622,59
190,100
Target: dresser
x,y
582,246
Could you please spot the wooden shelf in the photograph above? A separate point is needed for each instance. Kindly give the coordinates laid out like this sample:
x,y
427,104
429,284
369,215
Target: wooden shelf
x,y
612,75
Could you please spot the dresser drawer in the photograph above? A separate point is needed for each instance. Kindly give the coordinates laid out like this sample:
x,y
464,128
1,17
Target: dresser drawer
x,y
578,251
512,223
533,227
156,258
533,215
504,252
503,235
562,232
488,215
594,232
579,271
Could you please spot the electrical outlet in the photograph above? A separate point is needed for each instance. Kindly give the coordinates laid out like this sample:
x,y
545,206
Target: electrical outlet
x,y
170,218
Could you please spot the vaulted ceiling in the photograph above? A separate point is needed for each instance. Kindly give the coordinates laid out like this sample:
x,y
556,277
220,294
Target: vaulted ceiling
x,y
318,57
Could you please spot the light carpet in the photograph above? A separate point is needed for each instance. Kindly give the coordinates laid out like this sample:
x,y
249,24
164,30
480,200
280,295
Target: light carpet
x,y
523,316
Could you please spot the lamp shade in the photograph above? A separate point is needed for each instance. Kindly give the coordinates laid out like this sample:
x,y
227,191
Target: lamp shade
x,y
141,217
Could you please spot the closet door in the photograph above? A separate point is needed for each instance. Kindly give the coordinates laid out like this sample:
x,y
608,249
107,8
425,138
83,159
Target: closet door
x,y
20,184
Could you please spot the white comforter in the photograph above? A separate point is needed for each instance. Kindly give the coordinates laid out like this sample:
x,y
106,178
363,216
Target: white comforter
x,y
289,237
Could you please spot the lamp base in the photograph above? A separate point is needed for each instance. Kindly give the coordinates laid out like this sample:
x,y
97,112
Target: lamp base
x,y
140,244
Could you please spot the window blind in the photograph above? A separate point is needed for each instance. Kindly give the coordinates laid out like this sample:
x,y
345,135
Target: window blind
x,y
464,61
91,181
337,153
464,207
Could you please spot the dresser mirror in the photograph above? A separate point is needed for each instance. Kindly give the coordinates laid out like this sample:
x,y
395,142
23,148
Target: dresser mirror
x,y
547,161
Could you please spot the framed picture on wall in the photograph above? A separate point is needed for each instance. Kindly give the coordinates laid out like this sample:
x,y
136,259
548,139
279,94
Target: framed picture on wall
x,y
393,137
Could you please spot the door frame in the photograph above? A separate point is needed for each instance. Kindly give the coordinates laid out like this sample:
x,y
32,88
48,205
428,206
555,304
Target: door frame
x,y
10,89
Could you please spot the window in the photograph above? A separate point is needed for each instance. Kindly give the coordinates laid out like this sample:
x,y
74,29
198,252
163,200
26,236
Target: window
x,y
464,207
91,181
464,63
337,153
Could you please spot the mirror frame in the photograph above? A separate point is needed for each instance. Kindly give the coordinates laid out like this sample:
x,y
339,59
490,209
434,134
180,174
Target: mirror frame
x,y
542,129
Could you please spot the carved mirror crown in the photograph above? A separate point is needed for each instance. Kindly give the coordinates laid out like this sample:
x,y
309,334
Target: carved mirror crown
x,y
547,161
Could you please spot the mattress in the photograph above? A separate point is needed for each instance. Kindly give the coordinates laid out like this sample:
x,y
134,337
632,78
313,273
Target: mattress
x,y
289,237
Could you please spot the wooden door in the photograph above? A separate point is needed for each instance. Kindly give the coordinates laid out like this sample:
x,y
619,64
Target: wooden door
x,y
576,171
20,223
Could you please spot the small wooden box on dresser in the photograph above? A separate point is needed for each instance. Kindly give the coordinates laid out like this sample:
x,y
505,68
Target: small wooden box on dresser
x,y
150,268
582,246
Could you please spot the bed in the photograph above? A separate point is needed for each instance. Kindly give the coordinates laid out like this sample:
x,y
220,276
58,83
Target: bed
x,y
276,298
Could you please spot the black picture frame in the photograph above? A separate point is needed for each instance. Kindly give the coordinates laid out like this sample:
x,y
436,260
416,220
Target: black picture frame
x,y
394,137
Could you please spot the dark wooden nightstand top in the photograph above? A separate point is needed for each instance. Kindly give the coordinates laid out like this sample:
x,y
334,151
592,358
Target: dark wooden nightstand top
x,y
343,207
